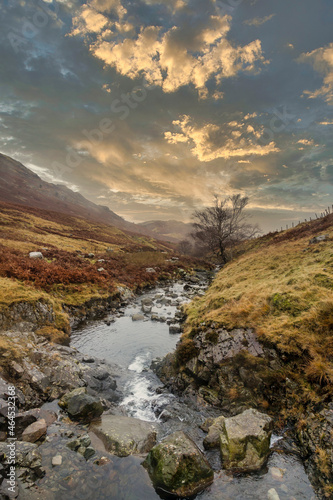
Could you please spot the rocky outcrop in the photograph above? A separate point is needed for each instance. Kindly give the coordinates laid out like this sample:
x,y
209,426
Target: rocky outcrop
x,y
47,371
124,436
245,439
227,369
314,432
178,467
25,315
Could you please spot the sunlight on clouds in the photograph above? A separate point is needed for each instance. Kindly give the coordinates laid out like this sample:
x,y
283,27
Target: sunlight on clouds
x,y
207,139
322,61
163,57
258,21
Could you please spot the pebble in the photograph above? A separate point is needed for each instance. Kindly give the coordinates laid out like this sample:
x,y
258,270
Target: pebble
x,y
272,495
277,473
57,460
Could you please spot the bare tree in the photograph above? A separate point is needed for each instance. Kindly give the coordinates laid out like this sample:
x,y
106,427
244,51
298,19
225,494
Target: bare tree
x,y
185,247
223,225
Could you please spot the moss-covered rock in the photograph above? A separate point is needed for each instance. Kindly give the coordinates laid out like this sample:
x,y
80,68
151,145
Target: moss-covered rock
x,y
245,440
177,466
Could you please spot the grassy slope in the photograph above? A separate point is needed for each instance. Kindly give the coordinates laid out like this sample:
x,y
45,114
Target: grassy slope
x,y
283,288
67,275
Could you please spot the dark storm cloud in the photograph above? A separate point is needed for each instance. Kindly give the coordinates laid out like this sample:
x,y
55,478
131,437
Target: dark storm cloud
x,y
150,107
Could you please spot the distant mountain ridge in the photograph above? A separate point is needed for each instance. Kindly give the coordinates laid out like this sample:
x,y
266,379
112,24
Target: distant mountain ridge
x,y
20,186
170,230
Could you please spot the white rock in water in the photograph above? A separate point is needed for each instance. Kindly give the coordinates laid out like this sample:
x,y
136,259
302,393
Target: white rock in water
x,y
272,494
57,460
277,473
138,317
36,255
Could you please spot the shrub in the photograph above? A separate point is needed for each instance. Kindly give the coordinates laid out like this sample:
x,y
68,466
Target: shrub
x,y
186,351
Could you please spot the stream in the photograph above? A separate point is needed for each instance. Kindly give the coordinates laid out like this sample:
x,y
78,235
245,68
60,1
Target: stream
x,y
132,345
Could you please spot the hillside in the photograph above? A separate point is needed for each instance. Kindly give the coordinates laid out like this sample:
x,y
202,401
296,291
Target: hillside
x,y
19,185
282,286
82,261
262,337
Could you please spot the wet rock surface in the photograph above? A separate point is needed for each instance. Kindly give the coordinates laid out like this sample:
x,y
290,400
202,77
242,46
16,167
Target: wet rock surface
x,y
125,436
72,462
47,371
245,440
81,406
177,466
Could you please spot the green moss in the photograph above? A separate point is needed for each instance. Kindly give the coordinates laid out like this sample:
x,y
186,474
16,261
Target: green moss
x,y
212,336
285,303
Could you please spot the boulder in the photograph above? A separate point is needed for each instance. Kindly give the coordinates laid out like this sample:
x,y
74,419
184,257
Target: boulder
x,y
318,239
80,405
146,309
36,255
245,440
138,317
147,301
150,270
175,328
34,431
215,428
178,467
124,436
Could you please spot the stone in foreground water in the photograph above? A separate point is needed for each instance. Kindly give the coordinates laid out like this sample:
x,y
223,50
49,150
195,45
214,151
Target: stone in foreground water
x,y
177,466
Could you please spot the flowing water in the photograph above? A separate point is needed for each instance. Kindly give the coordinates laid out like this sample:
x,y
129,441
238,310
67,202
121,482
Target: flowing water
x,y
133,345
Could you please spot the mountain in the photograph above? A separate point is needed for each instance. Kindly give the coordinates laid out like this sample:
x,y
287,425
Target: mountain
x,y
19,185
168,230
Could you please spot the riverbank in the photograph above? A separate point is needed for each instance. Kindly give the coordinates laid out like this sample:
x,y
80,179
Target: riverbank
x,y
261,337
74,458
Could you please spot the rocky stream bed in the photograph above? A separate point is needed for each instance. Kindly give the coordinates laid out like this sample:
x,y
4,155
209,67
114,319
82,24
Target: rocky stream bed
x,y
94,420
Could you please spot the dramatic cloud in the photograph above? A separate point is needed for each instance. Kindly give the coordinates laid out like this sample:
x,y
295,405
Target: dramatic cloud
x,y
165,57
322,61
150,107
238,139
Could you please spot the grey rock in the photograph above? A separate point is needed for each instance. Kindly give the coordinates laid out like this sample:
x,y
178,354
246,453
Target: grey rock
x,y
146,309
124,436
175,329
245,440
138,317
216,427
81,406
318,239
36,255
57,460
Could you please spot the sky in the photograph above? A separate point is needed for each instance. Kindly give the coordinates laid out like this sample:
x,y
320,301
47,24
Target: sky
x,y
152,107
